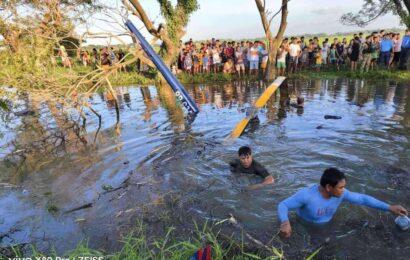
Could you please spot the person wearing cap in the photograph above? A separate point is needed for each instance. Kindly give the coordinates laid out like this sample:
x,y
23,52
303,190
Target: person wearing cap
x,y
246,164
317,204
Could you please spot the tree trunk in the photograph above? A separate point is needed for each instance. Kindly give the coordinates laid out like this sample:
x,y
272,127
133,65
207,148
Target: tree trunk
x,y
270,73
273,42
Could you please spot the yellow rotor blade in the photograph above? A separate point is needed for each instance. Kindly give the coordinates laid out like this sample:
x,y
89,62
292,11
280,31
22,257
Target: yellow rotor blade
x,y
240,127
237,131
268,92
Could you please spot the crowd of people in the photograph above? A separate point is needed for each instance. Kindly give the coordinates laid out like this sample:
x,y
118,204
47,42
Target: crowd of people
x,y
214,56
377,50
104,57
381,50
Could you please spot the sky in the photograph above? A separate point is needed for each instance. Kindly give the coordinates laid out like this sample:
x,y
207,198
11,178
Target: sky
x,y
237,19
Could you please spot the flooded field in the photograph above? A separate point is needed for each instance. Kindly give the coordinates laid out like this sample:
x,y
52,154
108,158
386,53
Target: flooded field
x,y
165,171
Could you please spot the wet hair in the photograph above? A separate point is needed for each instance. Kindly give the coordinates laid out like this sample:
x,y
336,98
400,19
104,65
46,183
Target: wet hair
x,y
331,176
244,150
300,100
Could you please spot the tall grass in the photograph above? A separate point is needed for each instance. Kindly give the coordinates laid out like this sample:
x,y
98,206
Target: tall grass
x,y
138,245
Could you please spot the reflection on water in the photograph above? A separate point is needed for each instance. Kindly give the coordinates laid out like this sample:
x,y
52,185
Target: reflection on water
x,y
159,152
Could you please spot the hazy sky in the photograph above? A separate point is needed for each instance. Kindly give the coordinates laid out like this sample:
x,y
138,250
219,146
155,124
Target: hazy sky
x,y
240,18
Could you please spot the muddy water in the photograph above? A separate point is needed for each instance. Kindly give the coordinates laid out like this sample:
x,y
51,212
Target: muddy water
x,y
162,170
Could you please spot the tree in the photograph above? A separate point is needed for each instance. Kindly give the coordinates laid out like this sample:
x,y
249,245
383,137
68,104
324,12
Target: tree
x,y
273,42
33,29
372,9
176,19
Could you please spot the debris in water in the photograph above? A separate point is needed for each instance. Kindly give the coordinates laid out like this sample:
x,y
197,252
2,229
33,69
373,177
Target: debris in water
x,y
79,220
107,187
52,208
88,205
332,117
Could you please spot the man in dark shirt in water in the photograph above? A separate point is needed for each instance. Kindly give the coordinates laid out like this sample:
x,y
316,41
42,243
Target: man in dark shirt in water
x,y
246,164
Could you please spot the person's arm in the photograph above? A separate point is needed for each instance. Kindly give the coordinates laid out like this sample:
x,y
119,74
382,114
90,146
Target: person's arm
x,y
267,178
266,181
369,201
293,202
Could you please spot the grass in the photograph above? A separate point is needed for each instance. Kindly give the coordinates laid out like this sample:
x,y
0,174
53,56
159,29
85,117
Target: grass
x,y
137,245
397,75
212,77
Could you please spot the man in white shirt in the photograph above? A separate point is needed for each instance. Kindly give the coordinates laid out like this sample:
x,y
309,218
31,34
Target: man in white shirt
x,y
253,58
294,52
396,49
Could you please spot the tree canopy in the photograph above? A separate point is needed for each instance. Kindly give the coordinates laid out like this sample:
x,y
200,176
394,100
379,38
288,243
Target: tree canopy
x,y
372,9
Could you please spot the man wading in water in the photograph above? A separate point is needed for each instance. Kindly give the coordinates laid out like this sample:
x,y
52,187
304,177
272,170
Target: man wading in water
x,y
317,204
246,164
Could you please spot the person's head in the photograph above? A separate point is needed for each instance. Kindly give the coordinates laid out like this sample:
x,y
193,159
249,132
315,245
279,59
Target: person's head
x,y
300,101
245,156
333,181
369,38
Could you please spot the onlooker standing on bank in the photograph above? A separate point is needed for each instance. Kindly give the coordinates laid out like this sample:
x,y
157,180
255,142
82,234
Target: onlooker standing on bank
x,y
405,50
386,47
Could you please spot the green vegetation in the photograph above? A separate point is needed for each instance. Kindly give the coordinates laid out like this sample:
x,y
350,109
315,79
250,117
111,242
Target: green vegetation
x,y
212,77
52,208
397,75
138,246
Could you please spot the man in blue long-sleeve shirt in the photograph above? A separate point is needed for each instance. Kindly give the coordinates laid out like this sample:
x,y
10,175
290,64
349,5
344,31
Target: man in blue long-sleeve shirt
x,y
386,47
405,50
318,203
